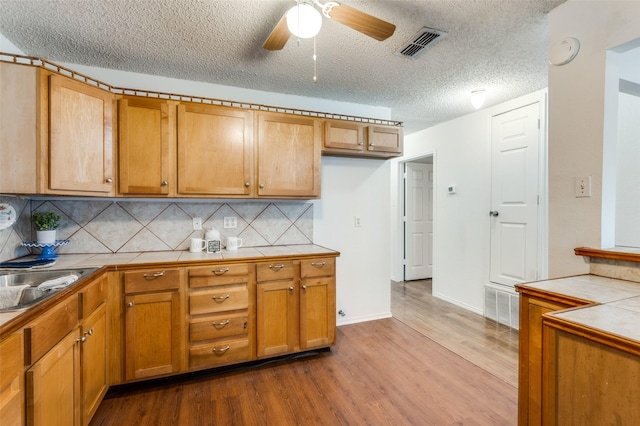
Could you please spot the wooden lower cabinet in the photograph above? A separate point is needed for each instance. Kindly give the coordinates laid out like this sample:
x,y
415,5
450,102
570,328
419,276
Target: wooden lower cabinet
x,y
93,355
603,387
12,393
277,317
533,305
53,384
154,325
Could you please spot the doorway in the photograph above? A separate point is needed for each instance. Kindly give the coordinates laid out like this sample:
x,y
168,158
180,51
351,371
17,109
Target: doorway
x,y
418,219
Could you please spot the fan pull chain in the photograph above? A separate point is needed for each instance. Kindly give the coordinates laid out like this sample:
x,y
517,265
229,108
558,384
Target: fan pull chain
x,y
315,63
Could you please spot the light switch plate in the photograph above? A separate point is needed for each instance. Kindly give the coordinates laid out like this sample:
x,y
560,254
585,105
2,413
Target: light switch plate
x,y
583,186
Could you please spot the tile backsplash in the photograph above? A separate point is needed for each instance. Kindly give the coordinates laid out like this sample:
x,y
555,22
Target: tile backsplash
x,y
120,226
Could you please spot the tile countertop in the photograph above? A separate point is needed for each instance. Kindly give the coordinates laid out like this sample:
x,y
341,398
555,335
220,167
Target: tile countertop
x,y
617,308
66,261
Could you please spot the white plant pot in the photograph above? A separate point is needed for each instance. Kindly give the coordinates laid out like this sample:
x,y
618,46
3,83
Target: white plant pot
x,y
46,237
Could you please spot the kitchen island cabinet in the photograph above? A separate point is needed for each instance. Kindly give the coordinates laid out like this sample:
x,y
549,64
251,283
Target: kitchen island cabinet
x,y
153,323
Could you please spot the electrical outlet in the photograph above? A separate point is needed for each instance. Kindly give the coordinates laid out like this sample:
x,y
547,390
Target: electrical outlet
x,y
583,186
230,222
357,222
197,223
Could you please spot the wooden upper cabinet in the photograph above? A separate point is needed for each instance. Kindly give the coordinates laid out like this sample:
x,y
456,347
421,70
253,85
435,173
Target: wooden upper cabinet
x,y
215,147
343,135
387,139
146,138
80,149
289,149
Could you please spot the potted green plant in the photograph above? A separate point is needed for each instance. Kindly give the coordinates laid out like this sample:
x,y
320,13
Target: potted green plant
x,y
46,224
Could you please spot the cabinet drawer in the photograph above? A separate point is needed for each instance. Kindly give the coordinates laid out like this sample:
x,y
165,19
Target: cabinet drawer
x,y
92,296
49,329
151,280
219,299
218,275
318,267
272,271
217,326
227,352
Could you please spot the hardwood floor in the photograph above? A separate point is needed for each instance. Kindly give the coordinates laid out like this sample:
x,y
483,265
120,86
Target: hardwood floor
x,y
381,372
486,343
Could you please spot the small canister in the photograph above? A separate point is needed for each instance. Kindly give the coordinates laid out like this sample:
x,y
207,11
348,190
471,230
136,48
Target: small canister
x,y
213,240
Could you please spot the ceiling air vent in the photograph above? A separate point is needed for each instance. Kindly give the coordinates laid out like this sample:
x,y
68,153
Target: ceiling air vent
x,y
420,42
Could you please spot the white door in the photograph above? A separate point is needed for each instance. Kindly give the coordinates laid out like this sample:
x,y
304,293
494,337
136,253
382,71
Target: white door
x,y
515,139
418,221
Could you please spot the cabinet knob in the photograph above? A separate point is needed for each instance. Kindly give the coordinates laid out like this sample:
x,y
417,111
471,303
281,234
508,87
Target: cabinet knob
x,y
261,185
164,183
130,304
304,287
290,288
247,184
370,143
109,180
81,339
360,143
88,333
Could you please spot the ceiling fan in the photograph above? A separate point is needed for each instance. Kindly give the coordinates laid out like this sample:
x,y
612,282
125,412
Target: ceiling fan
x,y
294,22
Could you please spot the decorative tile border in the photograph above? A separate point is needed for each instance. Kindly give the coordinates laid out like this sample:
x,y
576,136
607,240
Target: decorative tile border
x,y
107,226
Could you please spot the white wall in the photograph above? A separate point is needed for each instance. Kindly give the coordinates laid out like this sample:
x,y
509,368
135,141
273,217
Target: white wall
x,y
462,156
577,126
349,187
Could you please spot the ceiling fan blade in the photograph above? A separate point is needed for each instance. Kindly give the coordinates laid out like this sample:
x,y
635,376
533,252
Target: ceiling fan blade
x,y
362,22
279,36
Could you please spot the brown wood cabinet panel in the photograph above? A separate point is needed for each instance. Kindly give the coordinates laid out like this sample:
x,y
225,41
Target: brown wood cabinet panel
x,y
12,393
218,299
92,296
145,146
151,280
274,271
317,312
219,353
215,150
289,149
43,333
93,355
217,326
52,385
218,275
344,135
318,267
153,340
18,174
80,147
388,139
277,318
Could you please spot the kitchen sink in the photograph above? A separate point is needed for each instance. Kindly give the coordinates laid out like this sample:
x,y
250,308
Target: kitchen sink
x,y
19,290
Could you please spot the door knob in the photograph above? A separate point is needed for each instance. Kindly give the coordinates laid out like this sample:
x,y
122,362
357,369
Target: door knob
x,y
493,213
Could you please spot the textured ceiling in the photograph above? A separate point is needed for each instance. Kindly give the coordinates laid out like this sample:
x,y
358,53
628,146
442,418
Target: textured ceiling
x,y
499,45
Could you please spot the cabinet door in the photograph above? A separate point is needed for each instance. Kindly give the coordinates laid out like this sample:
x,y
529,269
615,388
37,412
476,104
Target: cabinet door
x,y
288,155
343,135
215,147
53,384
317,312
144,165
93,357
385,139
153,329
80,138
12,381
277,318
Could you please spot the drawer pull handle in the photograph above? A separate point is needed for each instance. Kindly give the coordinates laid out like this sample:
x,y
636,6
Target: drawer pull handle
x,y
153,276
220,351
318,264
220,298
277,267
220,271
220,324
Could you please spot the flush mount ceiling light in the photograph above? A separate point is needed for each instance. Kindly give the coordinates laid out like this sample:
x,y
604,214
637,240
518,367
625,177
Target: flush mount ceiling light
x,y
477,98
304,21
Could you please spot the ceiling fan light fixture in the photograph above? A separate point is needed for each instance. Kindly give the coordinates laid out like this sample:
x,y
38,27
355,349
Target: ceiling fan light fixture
x,y
304,21
477,98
